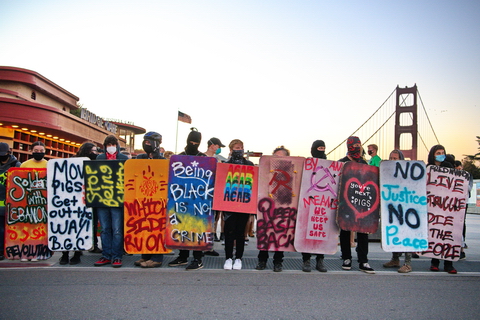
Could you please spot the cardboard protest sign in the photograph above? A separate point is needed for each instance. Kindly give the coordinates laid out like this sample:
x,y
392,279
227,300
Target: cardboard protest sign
x,y
69,220
26,214
236,188
316,230
190,202
404,221
359,198
278,191
145,210
104,183
447,194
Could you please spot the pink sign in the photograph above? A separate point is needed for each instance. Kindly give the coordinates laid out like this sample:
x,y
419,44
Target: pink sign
x,y
236,188
316,230
447,194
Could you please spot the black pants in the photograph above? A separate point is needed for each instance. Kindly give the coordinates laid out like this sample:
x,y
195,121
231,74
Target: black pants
x,y
234,230
185,253
277,256
307,256
362,246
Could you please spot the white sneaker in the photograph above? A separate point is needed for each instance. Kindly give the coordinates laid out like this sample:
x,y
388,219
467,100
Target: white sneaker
x,y
34,260
228,264
237,265
23,260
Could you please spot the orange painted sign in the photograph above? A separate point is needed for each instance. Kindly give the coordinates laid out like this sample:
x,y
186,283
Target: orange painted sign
x,y
145,200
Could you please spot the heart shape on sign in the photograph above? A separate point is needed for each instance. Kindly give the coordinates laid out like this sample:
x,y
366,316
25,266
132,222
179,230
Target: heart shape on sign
x,y
361,198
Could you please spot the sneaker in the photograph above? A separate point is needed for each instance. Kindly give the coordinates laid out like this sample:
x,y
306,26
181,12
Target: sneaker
x,y
211,253
96,250
462,256
34,260
216,238
2,257
320,267
434,268
103,261
414,255
150,264
117,263
365,267
228,264
450,269
138,263
261,265
178,262
24,260
405,269
195,265
75,259
306,266
277,267
347,264
64,259
237,265
392,264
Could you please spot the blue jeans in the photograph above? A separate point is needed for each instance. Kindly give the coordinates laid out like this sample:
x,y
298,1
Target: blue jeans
x,y
111,220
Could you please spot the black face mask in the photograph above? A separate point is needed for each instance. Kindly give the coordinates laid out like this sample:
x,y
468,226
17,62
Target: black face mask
x,y
319,154
93,156
148,148
38,155
4,158
191,149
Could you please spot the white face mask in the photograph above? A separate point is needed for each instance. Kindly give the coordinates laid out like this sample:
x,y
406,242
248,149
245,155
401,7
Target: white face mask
x,y
111,149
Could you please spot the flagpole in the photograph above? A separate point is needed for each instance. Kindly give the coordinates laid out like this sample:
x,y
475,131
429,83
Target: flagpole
x,y
176,138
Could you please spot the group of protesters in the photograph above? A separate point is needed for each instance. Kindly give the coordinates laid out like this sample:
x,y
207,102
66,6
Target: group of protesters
x,y
235,225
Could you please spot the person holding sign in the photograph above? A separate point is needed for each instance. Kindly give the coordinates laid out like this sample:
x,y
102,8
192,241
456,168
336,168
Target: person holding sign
x,y
437,157
193,142
37,162
396,155
7,161
235,222
111,218
278,255
354,153
317,151
151,146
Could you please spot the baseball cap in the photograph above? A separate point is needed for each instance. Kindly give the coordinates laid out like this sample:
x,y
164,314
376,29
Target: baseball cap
x,y
215,141
4,148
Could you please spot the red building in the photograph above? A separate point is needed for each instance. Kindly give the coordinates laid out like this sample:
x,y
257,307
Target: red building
x,y
34,108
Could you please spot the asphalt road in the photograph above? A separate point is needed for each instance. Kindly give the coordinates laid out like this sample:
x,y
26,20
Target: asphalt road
x,y
47,290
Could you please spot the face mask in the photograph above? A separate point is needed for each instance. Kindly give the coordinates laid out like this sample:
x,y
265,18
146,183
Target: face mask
x,y
218,151
191,149
440,158
237,154
354,152
148,148
370,152
112,149
319,154
92,156
4,158
38,155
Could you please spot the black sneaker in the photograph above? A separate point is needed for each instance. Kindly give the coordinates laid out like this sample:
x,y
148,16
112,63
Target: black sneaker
x,y
64,259
320,267
261,265
75,259
216,238
462,256
177,262
211,253
365,267
277,267
195,265
347,264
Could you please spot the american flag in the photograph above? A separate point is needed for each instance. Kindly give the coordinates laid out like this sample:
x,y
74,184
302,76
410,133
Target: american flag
x,y
184,117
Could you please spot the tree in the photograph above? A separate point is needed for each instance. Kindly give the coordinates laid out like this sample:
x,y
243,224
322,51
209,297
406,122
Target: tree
x,y
469,163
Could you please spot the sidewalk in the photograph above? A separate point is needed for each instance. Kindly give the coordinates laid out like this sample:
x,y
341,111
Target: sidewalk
x,y
292,261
